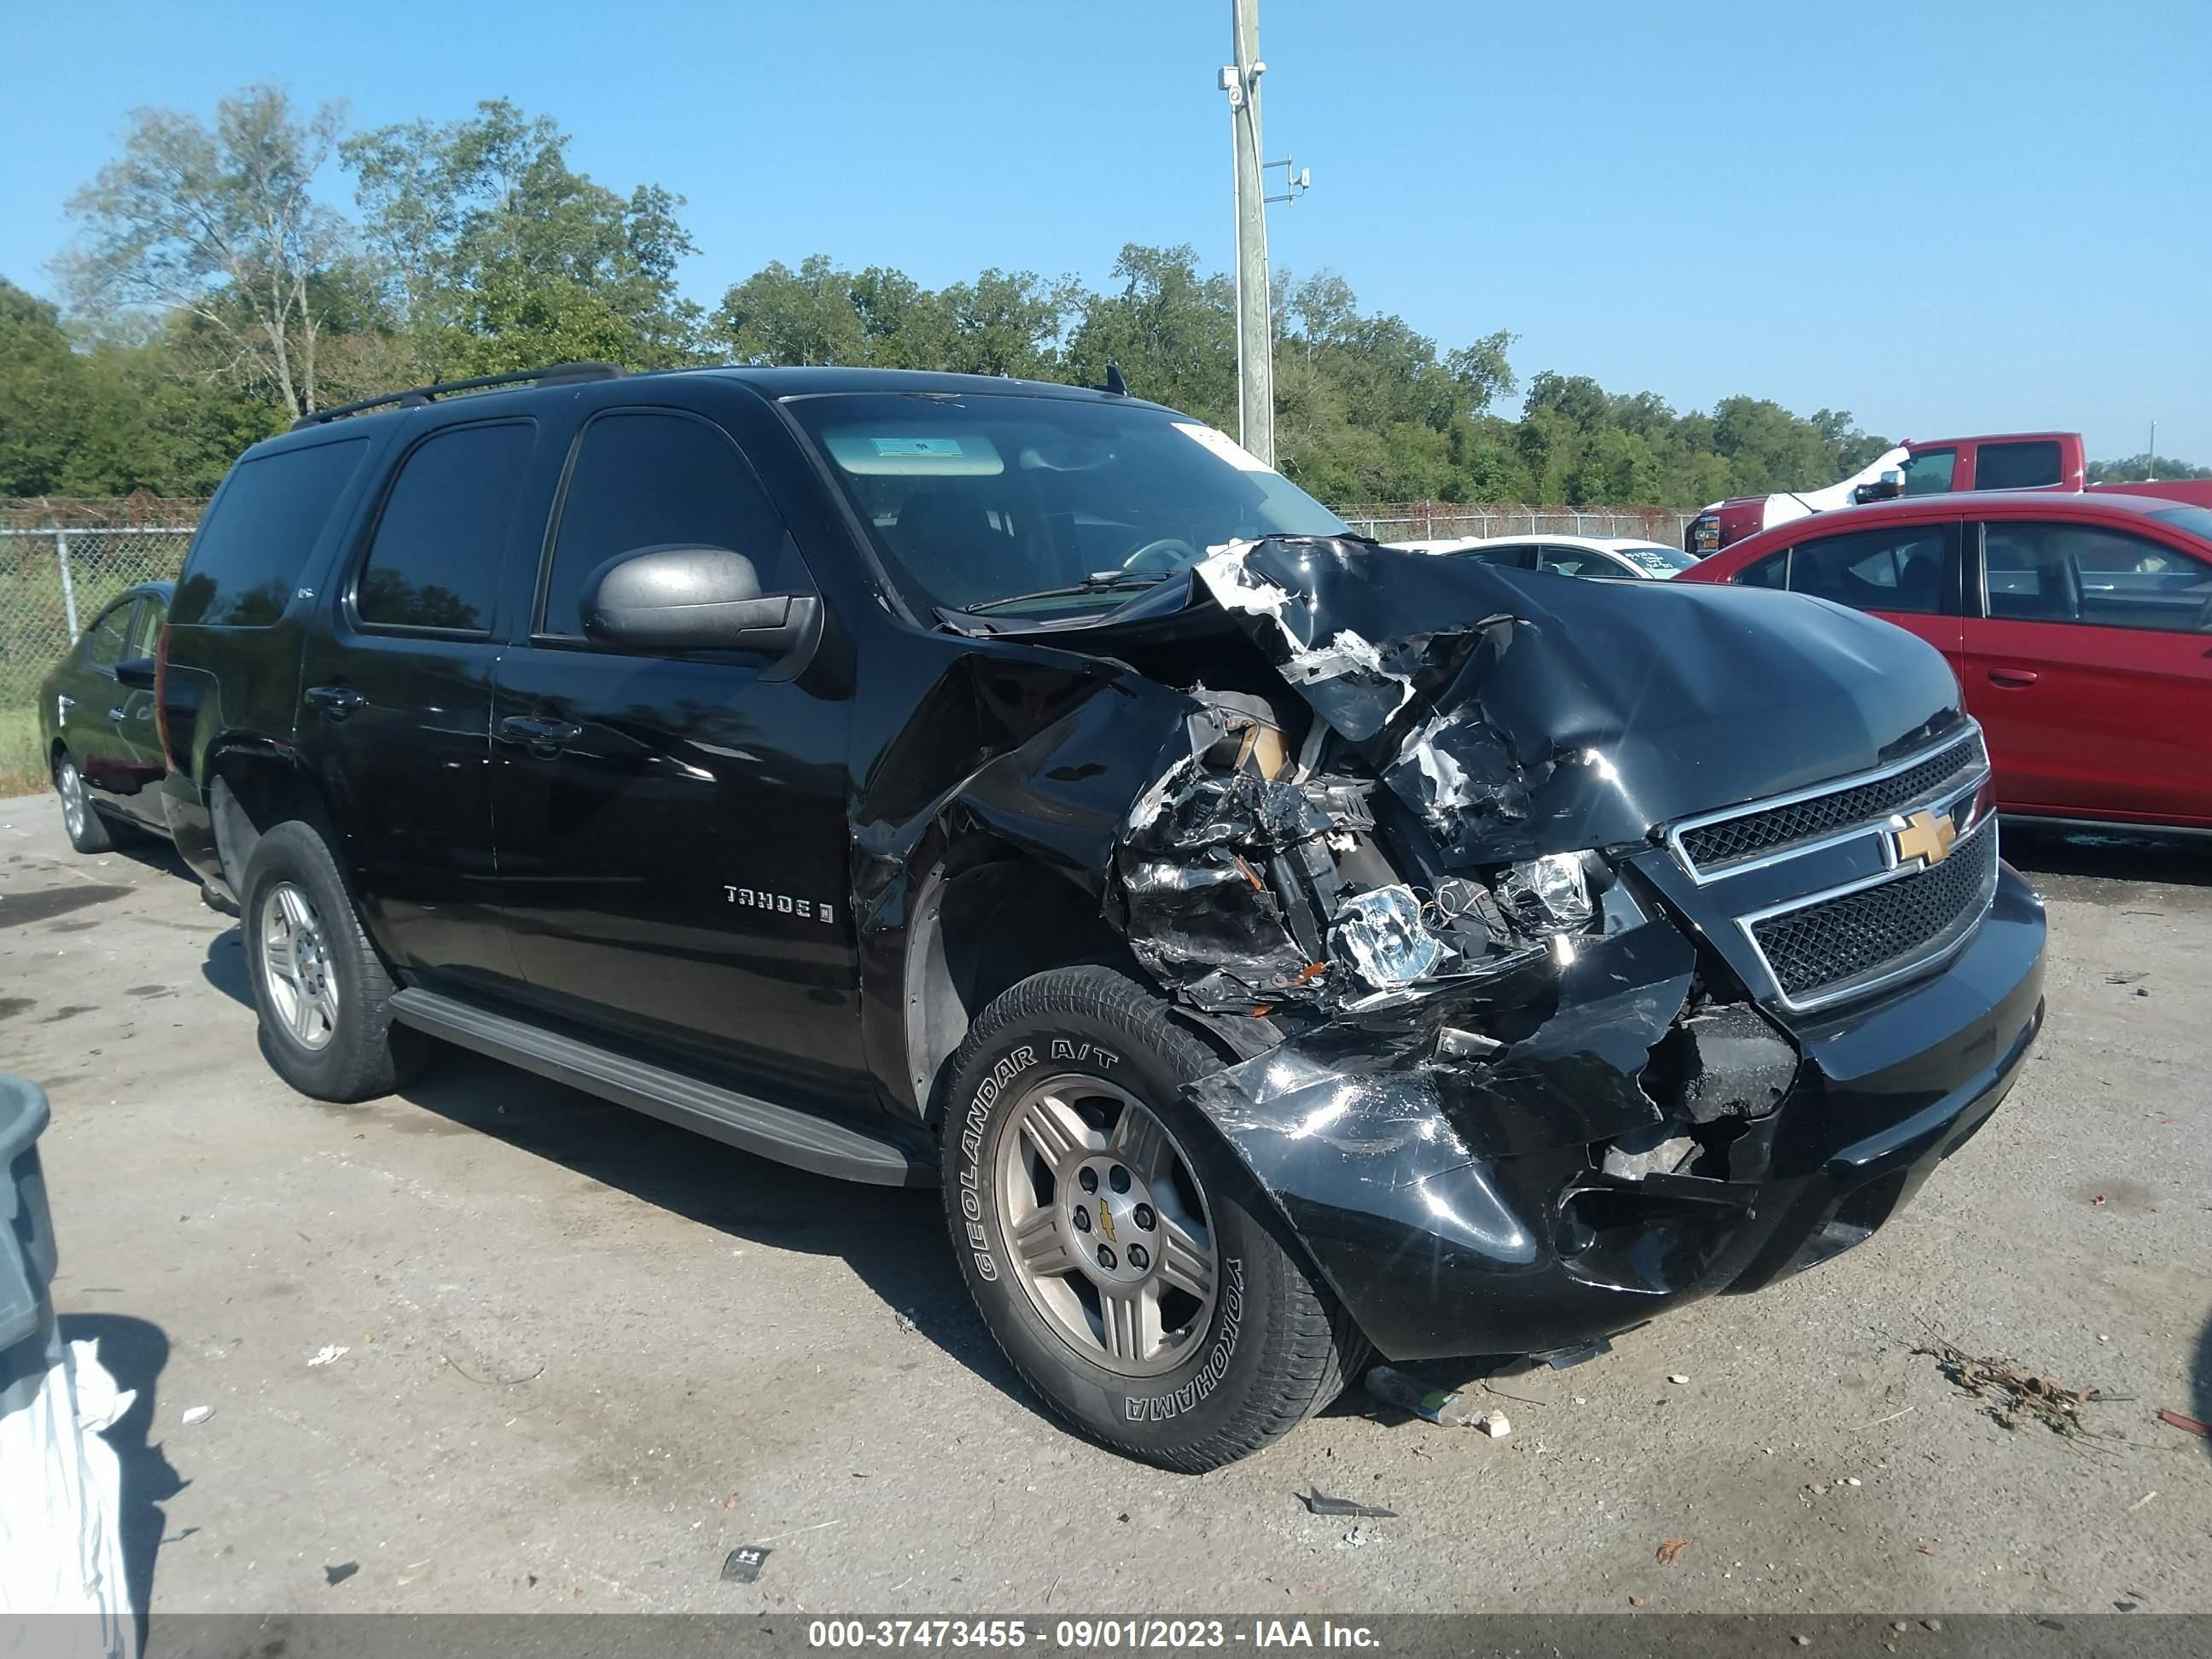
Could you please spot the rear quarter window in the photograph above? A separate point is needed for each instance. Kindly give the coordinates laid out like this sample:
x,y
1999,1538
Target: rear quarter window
x,y
271,512
2016,466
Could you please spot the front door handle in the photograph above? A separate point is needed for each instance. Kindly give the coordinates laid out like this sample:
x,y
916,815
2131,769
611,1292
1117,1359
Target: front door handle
x,y
2012,677
336,702
543,733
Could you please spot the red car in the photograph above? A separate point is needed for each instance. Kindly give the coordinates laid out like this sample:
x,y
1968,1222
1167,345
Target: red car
x,y
2079,625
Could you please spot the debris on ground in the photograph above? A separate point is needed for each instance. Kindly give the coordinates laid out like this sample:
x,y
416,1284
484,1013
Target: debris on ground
x,y
2144,1500
1676,1377
743,1564
2124,978
1318,1501
1671,1552
2012,1397
1496,1424
1446,1406
340,1573
1355,1539
197,1414
903,1320
2187,1425
328,1353
1635,1600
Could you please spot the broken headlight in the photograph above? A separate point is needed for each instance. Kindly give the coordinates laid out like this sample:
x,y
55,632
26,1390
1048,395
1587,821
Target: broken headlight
x,y
1381,935
1549,895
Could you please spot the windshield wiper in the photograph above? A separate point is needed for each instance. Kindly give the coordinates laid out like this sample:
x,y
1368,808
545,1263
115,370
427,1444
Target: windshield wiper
x,y
1098,581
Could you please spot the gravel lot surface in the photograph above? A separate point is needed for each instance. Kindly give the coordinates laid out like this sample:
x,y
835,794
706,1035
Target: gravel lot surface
x,y
495,1345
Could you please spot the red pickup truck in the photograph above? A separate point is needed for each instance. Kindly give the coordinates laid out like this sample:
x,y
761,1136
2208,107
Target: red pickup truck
x,y
1935,466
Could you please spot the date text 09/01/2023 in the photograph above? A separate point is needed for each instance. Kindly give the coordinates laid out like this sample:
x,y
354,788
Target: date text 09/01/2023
x,y
1085,1635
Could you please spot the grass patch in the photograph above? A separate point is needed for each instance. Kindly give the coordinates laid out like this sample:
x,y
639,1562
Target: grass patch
x,y
22,768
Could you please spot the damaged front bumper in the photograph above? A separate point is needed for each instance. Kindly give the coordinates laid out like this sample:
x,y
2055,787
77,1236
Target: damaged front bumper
x,y
1531,931
1536,1248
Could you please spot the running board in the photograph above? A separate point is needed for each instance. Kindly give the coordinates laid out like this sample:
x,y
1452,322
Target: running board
x,y
797,1138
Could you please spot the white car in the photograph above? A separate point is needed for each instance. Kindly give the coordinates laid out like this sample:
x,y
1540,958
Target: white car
x,y
1607,557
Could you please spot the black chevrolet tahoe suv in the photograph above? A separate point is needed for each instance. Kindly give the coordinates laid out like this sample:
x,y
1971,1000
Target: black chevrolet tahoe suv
x,y
1279,948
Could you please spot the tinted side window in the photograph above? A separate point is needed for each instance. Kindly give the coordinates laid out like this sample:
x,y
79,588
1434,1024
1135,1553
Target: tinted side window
x,y
2085,573
1898,568
146,631
1574,562
1772,571
435,561
1516,557
657,480
2015,466
1929,473
256,541
103,641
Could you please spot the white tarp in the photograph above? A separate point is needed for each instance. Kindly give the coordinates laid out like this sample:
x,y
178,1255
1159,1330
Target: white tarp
x,y
61,1489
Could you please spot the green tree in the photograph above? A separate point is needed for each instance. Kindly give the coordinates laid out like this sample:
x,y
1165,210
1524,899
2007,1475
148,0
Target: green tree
x,y
1170,328
500,256
220,224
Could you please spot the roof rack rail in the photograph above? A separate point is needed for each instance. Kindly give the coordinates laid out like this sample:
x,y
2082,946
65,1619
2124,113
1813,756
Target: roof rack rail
x,y
415,396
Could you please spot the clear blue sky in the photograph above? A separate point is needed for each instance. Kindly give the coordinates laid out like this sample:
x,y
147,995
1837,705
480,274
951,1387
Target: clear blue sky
x,y
1961,216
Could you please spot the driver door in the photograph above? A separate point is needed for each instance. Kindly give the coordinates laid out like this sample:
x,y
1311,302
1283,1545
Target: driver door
x,y
670,826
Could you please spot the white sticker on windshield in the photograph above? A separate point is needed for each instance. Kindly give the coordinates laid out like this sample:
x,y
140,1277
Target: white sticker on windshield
x,y
1221,444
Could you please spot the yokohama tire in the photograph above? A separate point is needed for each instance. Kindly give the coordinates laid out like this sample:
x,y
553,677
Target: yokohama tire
x,y
1265,1350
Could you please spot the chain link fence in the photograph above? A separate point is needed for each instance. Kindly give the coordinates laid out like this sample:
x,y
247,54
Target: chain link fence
x,y
54,580
1412,521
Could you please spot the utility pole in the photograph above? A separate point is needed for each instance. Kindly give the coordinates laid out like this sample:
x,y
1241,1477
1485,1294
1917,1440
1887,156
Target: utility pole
x,y
1255,343
2150,469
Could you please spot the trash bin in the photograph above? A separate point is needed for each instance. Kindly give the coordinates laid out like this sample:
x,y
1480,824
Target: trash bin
x,y
61,1552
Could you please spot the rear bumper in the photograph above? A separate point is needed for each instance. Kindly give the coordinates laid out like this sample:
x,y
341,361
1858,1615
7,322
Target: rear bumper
x,y
1542,1252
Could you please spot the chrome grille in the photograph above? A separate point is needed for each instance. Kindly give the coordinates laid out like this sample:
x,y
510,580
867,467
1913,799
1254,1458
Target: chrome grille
x,y
1824,948
1711,847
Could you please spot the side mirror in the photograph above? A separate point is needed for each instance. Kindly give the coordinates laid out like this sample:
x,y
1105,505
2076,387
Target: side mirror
x,y
136,673
1887,488
692,598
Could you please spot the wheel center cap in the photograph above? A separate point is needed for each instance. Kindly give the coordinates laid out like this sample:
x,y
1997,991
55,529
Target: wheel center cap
x,y
1111,1218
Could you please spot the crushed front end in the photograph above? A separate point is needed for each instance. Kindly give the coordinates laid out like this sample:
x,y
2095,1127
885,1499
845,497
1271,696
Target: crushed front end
x,y
1584,952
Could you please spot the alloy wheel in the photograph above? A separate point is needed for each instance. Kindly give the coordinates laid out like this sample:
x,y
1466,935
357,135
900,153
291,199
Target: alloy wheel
x,y
73,806
1106,1225
296,966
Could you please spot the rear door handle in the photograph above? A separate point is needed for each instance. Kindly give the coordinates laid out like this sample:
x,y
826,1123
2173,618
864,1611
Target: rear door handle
x,y
336,702
2012,677
539,732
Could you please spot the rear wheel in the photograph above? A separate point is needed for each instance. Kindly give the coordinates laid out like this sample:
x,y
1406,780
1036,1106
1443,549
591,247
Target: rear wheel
x,y
323,994
88,831
1125,1260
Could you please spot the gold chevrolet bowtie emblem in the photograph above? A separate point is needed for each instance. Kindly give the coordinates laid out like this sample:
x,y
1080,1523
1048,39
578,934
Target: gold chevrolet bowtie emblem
x,y
1926,836
1106,1219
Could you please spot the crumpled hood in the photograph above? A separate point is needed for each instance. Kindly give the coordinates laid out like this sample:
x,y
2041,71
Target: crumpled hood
x,y
1519,714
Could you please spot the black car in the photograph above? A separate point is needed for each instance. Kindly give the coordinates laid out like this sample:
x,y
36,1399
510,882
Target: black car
x,y
97,726
1279,947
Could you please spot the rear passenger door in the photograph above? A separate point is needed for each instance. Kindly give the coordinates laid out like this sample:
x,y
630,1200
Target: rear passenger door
x,y
673,844
92,728
2092,671
395,717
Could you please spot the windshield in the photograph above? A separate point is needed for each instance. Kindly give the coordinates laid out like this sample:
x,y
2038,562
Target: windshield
x,y
976,499
1656,560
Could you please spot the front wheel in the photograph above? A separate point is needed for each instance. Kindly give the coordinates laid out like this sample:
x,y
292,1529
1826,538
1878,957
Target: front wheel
x,y
1126,1261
